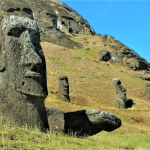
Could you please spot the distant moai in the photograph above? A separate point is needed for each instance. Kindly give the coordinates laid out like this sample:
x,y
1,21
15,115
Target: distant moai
x,y
23,83
121,94
147,88
63,88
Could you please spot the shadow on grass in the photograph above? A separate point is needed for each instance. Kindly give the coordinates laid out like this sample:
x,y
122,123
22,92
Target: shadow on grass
x,y
129,103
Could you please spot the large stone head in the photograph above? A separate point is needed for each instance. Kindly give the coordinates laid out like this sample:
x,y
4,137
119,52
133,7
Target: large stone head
x,y
22,60
23,86
63,89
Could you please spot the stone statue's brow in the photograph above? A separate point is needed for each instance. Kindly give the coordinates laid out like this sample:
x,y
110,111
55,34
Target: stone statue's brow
x,y
17,31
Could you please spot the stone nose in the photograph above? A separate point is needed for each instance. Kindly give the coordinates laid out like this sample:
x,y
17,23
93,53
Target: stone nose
x,y
31,49
65,83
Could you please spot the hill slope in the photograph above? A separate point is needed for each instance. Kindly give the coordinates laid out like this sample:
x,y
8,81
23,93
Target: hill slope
x,y
90,79
90,87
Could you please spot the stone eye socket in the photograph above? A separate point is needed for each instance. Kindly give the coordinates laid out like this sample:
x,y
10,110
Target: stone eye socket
x,y
13,9
16,32
119,82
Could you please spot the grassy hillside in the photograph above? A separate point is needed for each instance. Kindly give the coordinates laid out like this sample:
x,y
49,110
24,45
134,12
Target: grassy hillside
x,y
90,87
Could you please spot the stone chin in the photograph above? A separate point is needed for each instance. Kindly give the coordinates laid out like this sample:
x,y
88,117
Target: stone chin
x,y
65,92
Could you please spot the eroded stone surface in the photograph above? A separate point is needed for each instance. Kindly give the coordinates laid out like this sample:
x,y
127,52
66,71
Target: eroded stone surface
x,y
84,122
55,19
120,53
104,55
23,86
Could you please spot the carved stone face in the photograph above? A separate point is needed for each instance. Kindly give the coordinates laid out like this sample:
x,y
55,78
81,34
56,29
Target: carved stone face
x,y
148,90
64,85
63,88
120,90
23,58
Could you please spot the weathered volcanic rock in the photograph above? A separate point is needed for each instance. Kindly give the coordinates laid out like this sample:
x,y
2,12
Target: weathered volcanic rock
x,y
23,86
120,53
84,122
55,19
104,55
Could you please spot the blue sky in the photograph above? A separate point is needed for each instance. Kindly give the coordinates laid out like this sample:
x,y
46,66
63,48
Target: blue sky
x,y
126,20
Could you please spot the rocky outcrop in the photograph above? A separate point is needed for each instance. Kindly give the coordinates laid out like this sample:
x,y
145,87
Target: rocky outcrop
x,y
55,19
82,123
122,54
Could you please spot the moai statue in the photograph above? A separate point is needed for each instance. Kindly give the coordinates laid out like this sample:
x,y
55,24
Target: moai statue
x,y
121,93
147,87
63,89
23,83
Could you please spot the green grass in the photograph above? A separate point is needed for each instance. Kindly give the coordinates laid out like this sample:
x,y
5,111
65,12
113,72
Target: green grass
x,y
131,137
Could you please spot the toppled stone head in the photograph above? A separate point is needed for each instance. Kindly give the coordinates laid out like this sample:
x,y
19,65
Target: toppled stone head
x,y
121,93
83,122
23,86
63,89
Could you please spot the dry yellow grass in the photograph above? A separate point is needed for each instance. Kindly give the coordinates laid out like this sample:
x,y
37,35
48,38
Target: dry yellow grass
x,y
90,80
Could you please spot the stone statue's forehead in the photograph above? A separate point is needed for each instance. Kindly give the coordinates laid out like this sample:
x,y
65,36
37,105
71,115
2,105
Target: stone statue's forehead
x,y
19,22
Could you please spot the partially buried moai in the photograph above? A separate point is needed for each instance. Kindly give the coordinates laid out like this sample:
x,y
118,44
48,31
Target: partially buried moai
x,y
147,87
121,94
23,85
63,88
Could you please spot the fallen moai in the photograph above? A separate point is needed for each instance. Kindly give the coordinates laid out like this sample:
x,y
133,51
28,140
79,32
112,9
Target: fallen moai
x,y
83,122
23,83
